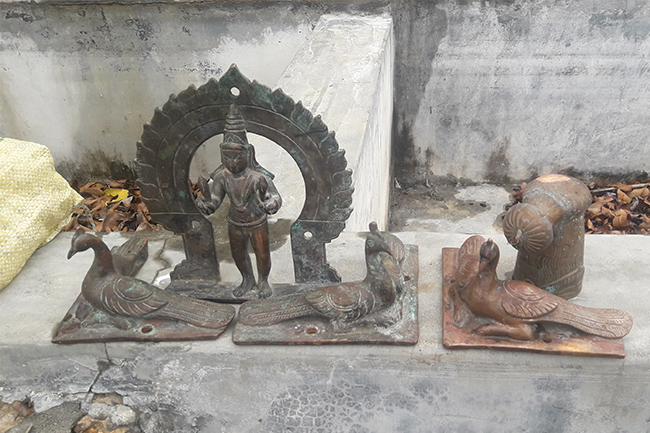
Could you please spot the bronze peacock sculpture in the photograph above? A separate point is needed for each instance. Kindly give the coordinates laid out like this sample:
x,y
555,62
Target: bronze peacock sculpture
x,y
516,306
109,291
344,302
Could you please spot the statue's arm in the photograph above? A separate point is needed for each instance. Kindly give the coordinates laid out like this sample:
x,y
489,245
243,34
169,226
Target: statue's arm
x,y
211,194
270,199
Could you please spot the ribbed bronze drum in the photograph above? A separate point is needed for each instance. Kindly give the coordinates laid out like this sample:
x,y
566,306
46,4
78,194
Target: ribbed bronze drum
x,y
547,229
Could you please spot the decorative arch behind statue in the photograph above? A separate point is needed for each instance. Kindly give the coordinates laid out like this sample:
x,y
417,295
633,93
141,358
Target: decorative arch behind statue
x,y
186,121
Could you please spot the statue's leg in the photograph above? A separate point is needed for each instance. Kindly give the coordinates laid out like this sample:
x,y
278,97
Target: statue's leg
x,y
260,241
239,250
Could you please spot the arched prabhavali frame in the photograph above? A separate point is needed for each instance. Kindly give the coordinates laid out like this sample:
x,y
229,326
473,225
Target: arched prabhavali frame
x,y
186,121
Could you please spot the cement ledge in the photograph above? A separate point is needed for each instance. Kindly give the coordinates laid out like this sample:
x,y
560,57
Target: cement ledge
x,y
217,386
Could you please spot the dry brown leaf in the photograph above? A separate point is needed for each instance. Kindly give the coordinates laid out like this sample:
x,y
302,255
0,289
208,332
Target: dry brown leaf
x,y
620,219
590,225
623,187
111,221
99,205
607,213
622,197
645,224
639,192
638,205
594,210
91,192
604,199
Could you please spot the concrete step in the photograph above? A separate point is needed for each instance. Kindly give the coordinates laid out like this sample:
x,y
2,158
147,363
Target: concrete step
x,y
213,386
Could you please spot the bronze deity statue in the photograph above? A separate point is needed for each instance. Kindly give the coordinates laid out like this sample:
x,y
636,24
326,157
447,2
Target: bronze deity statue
x,y
114,306
547,229
481,310
164,158
362,311
252,197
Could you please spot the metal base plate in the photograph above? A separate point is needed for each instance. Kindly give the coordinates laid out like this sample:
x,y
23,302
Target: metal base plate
x,y
223,292
85,324
315,330
553,339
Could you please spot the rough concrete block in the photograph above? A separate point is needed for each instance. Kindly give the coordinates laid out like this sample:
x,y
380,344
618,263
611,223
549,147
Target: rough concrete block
x,y
345,74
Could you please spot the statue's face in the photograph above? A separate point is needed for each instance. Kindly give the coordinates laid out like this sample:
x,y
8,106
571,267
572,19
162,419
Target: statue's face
x,y
235,161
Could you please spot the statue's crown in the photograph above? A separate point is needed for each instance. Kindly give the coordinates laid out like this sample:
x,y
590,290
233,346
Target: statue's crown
x,y
234,134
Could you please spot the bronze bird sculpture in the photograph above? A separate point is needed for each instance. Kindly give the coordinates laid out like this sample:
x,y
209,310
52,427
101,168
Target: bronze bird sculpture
x,y
344,302
516,306
547,229
109,291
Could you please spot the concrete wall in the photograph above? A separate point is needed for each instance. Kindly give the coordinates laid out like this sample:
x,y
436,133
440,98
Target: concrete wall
x,y
484,90
82,80
345,73
511,89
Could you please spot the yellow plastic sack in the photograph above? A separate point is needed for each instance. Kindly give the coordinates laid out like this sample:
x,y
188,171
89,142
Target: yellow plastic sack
x,y
35,203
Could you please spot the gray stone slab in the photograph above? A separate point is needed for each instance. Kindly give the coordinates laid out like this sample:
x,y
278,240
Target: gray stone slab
x,y
344,72
217,386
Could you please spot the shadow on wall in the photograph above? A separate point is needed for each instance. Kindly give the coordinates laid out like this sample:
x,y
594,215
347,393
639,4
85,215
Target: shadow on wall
x,y
96,166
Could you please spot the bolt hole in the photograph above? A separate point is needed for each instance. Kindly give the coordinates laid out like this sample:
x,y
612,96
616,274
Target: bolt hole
x,y
452,281
234,91
311,330
308,235
146,329
406,278
196,225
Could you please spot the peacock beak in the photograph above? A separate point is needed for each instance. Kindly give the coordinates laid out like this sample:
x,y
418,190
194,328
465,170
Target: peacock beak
x,y
71,253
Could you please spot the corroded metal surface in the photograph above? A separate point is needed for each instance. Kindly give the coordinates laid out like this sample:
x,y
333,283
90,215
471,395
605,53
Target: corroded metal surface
x,y
551,338
85,324
547,229
252,197
381,309
116,307
187,120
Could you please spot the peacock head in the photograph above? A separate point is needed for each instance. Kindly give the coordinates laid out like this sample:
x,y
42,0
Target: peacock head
x,y
375,242
80,242
489,251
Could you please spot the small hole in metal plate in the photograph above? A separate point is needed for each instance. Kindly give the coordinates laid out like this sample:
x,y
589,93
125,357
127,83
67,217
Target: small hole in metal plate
x,y
146,329
311,330
234,91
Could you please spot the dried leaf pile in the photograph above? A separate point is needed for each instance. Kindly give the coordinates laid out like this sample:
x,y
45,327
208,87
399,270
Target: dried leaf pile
x,y
619,208
114,207
615,209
